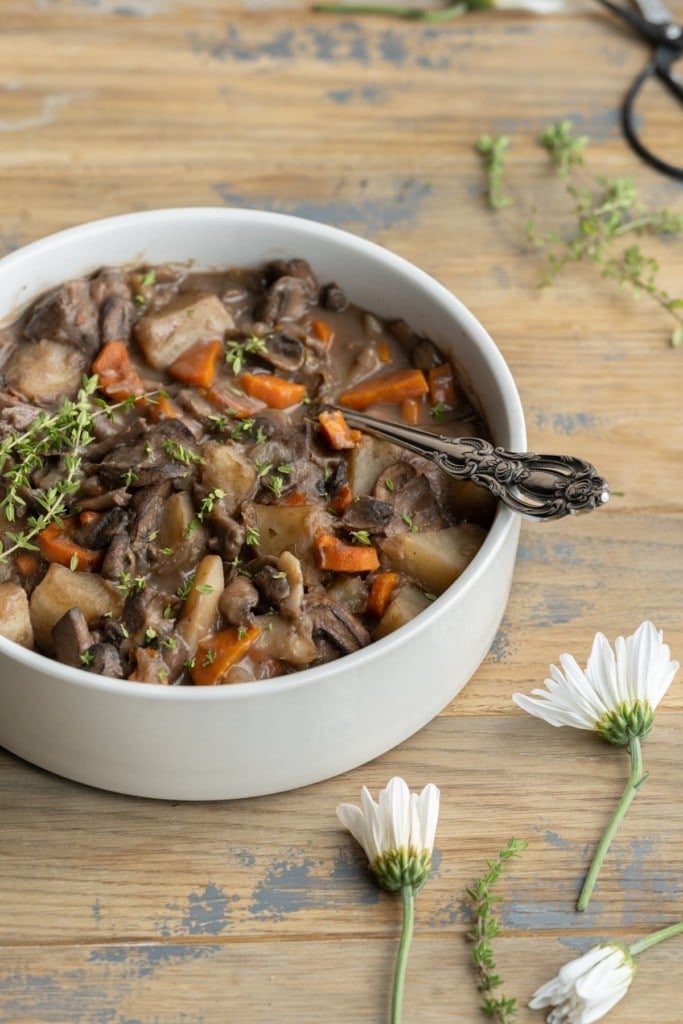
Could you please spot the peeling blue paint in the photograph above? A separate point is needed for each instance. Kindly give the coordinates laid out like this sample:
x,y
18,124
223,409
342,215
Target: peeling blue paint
x,y
561,553
365,94
346,41
244,857
566,422
97,910
285,889
501,646
371,215
86,995
559,607
208,912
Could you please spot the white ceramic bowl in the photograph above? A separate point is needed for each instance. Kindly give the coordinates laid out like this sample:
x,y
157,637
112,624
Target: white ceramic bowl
x,y
186,743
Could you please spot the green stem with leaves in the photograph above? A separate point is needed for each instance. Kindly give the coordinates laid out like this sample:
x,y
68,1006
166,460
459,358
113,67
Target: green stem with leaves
x,y
408,901
409,13
636,778
484,929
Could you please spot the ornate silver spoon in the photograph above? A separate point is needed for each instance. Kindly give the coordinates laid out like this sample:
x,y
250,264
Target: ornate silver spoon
x,y
539,486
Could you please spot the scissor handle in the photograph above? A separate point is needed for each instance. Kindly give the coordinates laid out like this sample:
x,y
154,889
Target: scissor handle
x,y
660,65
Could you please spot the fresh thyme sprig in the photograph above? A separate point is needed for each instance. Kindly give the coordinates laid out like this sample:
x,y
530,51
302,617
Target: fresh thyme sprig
x,y
410,13
492,149
63,434
484,929
237,350
605,213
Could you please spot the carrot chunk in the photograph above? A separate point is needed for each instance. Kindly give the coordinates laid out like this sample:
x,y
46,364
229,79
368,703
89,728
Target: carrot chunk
x,y
117,378
441,385
331,553
393,388
197,365
383,352
381,590
217,653
342,499
337,431
275,392
160,406
323,331
410,411
57,545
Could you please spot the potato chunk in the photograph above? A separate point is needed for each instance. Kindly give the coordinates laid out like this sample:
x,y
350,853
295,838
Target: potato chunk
x,y
187,320
436,559
199,615
280,528
45,371
225,468
408,602
368,460
60,590
15,619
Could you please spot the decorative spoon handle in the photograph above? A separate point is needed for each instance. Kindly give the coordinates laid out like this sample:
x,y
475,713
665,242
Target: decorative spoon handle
x,y
539,486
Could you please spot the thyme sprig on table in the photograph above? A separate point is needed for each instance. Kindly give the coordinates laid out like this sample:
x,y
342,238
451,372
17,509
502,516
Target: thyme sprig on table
x,y
492,149
63,433
606,212
484,929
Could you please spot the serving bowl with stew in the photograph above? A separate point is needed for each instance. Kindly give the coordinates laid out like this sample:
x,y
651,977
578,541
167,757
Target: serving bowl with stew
x,y
211,586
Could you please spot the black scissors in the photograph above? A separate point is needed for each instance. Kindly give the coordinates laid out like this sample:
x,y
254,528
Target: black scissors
x,y
656,24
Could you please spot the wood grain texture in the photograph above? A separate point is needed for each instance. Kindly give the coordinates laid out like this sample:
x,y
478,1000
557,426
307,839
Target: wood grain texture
x,y
115,910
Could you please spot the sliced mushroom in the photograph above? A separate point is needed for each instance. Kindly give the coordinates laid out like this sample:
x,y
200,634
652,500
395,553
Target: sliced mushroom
x,y
103,660
146,513
285,640
116,318
294,268
335,630
69,316
238,601
71,638
367,513
270,581
291,566
425,356
416,507
392,479
333,297
286,301
283,352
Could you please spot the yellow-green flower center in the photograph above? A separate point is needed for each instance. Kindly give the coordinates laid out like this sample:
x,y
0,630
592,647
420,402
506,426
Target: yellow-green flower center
x,y
397,868
626,720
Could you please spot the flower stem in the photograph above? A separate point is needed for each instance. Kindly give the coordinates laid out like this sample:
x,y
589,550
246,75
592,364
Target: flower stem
x,y
402,955
635,780
414,13
655,937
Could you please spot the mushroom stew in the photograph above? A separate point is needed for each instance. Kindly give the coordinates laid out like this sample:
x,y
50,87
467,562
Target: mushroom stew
x,y
177,505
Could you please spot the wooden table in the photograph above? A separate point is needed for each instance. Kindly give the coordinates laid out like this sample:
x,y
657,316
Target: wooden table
x,y
115,909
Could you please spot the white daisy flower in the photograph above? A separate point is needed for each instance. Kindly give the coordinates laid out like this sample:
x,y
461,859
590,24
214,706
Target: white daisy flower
x,y
616,697
397,833
617,693
587,988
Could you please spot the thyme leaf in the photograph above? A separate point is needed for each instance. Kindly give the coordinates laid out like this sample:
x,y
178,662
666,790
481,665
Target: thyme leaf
x,y
484,928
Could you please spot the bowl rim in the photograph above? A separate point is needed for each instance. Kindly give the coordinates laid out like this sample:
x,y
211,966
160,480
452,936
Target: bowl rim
x,y
504,520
